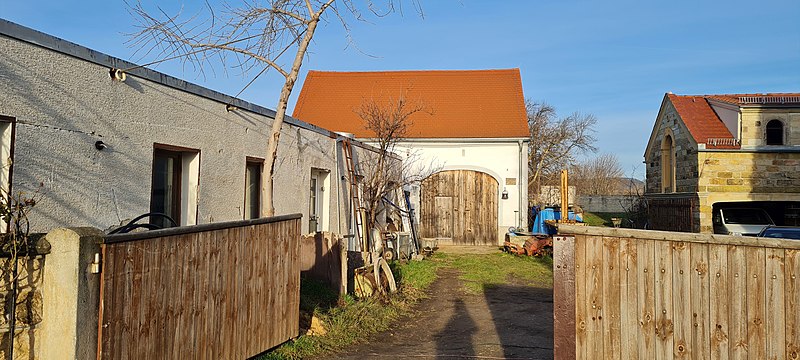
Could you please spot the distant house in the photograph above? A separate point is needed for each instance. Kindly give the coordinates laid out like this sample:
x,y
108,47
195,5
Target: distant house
x,y
477,133
707,152
108,150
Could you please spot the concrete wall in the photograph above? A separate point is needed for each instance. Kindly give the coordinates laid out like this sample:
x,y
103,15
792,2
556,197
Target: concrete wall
x,y
57,301
64,103
606,203
504,160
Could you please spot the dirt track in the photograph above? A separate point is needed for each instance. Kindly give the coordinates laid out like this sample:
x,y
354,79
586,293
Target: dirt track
x,y
510,321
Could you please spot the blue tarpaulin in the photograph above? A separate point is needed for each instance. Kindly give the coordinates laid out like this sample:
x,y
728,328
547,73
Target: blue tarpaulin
x,y
539,225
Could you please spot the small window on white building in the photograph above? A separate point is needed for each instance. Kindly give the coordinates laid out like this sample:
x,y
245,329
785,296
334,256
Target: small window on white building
x,y
252,188
6,161
319,201
774,133
176,173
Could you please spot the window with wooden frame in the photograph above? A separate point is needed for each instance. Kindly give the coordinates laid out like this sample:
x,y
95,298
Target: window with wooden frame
x,y
174,185
7,128
252,188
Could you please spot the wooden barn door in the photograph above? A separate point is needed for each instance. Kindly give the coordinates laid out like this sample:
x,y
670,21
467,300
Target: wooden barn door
x,y
460,205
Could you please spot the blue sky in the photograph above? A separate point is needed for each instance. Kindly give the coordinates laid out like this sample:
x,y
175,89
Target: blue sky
x,y
613,58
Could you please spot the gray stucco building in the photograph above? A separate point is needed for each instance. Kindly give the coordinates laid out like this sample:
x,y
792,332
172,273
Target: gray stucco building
x,y
100,151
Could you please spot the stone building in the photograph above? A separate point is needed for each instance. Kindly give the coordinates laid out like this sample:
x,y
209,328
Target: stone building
x,y
711,151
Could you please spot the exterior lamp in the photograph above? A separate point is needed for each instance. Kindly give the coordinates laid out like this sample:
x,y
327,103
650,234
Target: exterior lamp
x,y
504,194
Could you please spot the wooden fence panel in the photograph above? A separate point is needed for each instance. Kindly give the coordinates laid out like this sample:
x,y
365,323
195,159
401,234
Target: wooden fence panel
x,y
582,307
629,311
564,308
611,298
659,295
699,290
756,315
681,268
718,296
216,291
792,303
646,300
664,327
737,270
776,348
594,291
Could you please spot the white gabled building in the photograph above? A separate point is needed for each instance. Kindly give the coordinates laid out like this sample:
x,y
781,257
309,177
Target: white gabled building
x,y
476,131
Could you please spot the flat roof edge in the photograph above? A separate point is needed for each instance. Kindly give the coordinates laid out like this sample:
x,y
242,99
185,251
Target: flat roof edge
x,y
50,42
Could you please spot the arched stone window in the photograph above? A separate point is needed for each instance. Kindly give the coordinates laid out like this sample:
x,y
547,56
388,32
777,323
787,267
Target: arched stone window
x,y
774,132
668,164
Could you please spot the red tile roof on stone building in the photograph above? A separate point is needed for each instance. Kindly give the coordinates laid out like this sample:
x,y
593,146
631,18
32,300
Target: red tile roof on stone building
x,y
705,125
463,103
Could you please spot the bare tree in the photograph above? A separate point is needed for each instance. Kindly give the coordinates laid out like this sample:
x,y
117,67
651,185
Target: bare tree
x,y
248,37
601,175
555,142
389,167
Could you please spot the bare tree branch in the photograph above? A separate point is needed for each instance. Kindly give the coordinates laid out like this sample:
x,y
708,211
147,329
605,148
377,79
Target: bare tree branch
x,y
554,143
246,37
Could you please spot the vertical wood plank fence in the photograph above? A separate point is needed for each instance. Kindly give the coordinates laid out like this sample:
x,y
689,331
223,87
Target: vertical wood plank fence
x,y
214,291
634,294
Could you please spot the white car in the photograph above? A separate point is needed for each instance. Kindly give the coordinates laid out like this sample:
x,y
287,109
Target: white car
x,y
741,221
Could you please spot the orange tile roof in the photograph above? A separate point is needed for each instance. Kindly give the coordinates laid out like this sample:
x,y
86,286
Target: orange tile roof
x,y
701,120
464,103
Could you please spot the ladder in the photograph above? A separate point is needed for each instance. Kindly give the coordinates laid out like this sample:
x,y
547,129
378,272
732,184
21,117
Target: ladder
x,y
355,194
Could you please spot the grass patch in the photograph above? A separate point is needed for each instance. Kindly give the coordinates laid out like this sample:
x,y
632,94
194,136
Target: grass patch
x,y
601,218
348,321
481,272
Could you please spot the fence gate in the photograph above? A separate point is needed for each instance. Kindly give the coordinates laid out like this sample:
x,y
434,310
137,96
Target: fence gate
x,y
671,213
215,291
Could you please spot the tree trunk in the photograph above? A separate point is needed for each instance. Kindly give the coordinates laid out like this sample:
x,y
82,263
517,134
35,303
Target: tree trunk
x,y
268,205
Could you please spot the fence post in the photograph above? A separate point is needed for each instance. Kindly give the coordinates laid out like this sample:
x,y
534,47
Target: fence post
x,y
70,295
564,297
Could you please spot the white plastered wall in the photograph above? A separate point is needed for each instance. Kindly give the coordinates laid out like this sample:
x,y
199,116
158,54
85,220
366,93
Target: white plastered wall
x,y
503,159
64,104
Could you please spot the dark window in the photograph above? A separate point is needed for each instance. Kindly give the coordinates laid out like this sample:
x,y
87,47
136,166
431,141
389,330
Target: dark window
x,y
746,216
165,194
252,189
774,132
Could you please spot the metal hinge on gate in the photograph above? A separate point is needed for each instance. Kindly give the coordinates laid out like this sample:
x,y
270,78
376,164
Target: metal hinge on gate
x,y
94,267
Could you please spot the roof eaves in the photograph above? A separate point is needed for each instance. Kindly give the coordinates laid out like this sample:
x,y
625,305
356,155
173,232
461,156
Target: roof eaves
x,y
34,37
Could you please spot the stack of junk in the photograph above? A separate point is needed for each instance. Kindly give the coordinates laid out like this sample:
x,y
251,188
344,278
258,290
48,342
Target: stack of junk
x,y
538,239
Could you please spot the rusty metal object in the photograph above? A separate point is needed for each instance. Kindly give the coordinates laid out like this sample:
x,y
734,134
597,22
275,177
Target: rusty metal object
x,y
533,245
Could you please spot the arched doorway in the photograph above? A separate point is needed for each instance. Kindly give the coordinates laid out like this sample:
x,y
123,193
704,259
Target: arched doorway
x,y
460,205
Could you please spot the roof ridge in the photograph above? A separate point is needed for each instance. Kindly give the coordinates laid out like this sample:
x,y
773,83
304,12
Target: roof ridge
x,y
419,72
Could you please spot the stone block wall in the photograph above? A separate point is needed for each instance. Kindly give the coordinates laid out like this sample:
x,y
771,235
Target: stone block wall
x,y
686,170
28,309
736,172
745,176
754,123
